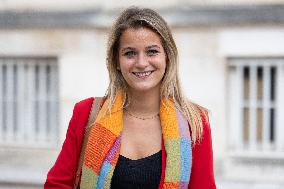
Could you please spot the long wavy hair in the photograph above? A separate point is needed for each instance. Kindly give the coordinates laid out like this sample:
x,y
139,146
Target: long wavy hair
x,y
135,17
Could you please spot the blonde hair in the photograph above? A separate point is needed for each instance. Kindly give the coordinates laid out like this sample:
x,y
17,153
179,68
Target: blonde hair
x,y
135,17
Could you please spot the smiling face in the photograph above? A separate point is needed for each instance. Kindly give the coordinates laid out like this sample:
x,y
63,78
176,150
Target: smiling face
x,y
142,59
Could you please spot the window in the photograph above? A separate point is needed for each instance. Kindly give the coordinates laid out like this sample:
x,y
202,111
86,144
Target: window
x,y
256,92
28,101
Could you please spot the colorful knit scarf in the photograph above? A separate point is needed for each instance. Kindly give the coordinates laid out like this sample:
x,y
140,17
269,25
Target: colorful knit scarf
x,y
103,146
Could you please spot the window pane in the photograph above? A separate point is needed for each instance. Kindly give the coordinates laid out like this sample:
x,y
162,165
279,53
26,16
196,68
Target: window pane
x,y
259,83
246,125
246,83
259,124
26,98
273,83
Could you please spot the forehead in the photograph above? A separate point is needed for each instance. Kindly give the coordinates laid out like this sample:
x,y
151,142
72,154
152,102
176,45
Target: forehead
x,y
132,36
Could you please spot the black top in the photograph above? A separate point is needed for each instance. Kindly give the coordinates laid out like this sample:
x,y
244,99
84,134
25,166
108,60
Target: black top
x,y
137,174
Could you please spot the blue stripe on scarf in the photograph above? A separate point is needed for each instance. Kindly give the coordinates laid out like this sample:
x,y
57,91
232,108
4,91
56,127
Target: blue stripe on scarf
x,y
186,159
103,174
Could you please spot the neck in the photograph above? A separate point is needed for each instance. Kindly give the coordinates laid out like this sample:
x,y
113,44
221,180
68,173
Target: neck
x,y
144,103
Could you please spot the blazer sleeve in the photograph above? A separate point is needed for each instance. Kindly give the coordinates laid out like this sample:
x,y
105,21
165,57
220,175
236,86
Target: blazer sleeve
x,y
202,173
62,174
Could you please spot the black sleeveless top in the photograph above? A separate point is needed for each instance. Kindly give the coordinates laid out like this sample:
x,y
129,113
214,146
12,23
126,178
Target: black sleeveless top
x,y
138,174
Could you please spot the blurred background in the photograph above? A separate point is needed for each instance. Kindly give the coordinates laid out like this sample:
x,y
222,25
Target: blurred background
x,y
231,53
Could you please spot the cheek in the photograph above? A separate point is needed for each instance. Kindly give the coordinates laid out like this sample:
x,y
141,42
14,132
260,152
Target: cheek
x,y
124,66
121,63
161,62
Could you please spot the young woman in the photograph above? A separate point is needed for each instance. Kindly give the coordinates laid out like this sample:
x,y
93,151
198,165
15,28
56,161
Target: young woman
x,y
147,134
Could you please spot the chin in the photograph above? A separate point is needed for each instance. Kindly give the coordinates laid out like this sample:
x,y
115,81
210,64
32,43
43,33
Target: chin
x,y
144,88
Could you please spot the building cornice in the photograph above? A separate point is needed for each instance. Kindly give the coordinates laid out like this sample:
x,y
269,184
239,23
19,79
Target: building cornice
x,y
183,16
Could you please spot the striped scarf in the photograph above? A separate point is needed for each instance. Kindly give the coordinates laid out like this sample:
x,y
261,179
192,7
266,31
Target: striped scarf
x,y
103,146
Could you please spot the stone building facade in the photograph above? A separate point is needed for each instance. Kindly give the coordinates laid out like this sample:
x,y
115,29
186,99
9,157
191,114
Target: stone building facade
x,y
231,61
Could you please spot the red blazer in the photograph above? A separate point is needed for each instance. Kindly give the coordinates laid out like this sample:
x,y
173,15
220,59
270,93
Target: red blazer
x,y
62,174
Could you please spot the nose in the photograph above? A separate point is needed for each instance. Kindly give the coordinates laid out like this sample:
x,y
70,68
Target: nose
x,y
142,61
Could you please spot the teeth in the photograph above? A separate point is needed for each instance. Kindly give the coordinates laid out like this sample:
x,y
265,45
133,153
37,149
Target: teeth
x,y
142,74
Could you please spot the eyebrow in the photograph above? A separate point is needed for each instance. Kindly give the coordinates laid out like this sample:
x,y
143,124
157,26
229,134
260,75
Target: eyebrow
x,y
153,46
131,48
127,48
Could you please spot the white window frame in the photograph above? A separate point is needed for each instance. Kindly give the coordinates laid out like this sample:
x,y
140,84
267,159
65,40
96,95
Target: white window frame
x,y
235,104
29,102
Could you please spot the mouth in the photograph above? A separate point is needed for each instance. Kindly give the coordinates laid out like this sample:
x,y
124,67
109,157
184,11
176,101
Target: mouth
x,y
142,75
